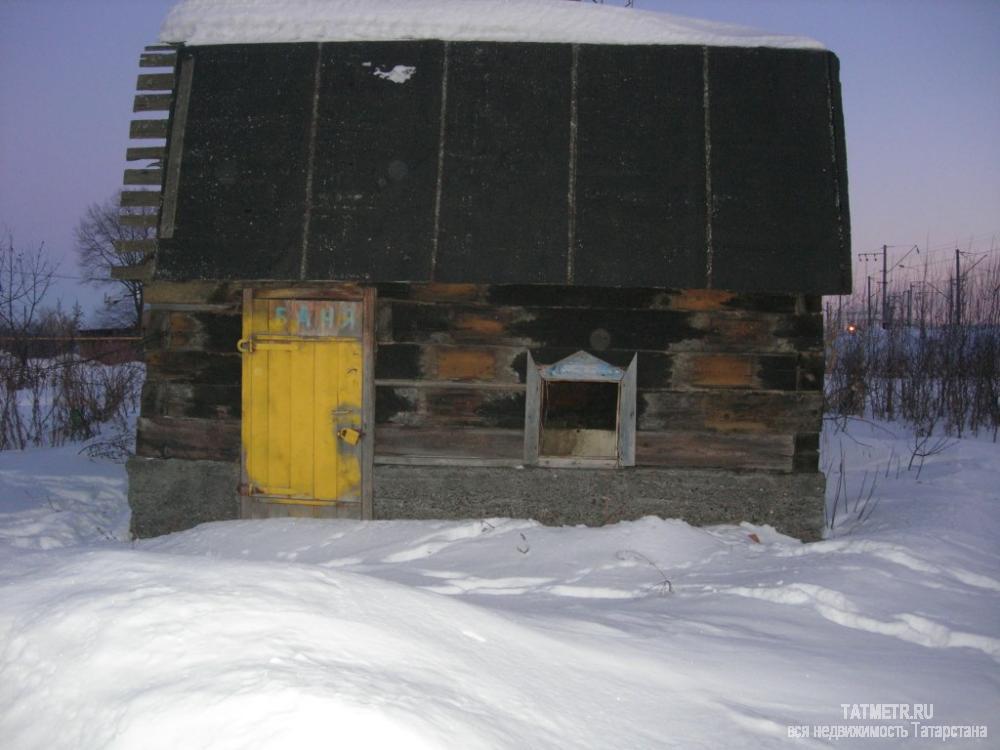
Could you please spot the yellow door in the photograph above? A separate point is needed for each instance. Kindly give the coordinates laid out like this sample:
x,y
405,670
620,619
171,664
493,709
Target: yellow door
x,y
302,392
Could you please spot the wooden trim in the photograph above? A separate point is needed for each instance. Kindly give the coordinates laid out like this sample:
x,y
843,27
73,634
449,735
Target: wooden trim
x,y
135,246
141,129
447,461
368,403
344,291
481,385
138,220
625,416
562,462
175,145
159,47
532,412
293,500
246,312
157,59
458,443
142,177
141,272
152,102
627,393
140,153
155,82
141,198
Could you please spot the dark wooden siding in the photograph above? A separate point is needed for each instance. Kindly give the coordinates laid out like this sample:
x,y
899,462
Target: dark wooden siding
x,y
725,380
191,397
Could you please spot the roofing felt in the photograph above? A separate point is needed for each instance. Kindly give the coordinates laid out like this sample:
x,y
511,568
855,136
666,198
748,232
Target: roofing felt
x,y
510,163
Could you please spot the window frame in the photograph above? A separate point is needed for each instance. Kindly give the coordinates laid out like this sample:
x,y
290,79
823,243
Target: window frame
x,y
580,367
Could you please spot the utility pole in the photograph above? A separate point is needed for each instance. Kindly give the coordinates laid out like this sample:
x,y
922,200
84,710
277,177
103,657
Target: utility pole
x,y
885,287
909,307
869,303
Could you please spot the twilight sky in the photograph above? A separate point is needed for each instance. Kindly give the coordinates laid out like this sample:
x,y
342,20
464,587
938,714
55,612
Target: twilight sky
x,y
921,81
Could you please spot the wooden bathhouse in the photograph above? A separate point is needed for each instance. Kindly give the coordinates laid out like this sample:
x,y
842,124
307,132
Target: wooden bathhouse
x,y
568,270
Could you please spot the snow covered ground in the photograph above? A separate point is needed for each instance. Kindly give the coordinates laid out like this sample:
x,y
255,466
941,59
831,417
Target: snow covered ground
x,y
498,633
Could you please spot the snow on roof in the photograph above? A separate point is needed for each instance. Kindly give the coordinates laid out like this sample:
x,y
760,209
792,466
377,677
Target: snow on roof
x,y
246,21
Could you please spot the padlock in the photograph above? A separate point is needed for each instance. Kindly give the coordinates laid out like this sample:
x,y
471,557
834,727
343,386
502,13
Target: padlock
x,y
349,436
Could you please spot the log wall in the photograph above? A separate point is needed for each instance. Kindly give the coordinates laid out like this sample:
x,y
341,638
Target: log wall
x,y
191,398
725,380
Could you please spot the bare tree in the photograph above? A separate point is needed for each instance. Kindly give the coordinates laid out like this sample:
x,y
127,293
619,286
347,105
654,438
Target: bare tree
x,y
25,278
96,234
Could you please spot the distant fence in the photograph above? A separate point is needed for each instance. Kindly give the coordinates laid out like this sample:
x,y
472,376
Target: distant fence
x,y
109,346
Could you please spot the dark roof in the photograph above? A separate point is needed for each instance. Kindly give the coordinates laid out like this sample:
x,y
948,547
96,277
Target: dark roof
x,y
504,163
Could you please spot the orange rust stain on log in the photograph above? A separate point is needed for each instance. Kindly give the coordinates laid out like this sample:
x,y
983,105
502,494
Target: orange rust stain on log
x,y
701,299
445,292
742,331
722,370
182,330
475,324
465,364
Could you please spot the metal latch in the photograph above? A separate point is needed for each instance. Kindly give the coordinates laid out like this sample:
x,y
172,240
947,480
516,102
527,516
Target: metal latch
x,y
244,346
349,436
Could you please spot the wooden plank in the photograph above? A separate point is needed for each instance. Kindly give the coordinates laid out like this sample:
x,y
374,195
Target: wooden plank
x,y
141,198
368,403
730,411
133,273
135,246
565,462
142,221
690,450
450,407
139,129
506,445
543,295
152,102
447,461
143,177
461,385
626,416
140,153
157,59
191,293
598,328
196,330
163,398
700,370
155,82
178,124
333,290
532,412
186,366
245,380
195,439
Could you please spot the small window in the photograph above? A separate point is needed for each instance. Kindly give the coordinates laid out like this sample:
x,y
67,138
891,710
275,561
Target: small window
x,y
580,412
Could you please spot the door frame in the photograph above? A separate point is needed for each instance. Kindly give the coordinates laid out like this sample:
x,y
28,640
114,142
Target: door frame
x,y
367,295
